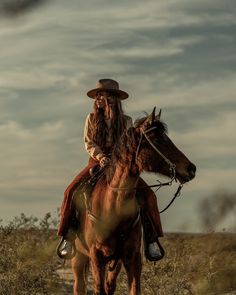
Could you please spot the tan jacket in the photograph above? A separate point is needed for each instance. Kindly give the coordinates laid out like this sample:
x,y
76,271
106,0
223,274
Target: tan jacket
x,y
91,147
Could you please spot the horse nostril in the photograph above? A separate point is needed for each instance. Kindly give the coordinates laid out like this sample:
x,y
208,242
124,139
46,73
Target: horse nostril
x,y
191,170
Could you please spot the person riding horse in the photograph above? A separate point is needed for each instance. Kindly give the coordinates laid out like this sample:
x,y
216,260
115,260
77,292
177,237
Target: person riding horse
x,y
103,127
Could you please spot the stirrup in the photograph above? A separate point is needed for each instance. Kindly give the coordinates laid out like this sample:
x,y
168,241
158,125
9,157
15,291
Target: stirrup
x,y
156,258
58,250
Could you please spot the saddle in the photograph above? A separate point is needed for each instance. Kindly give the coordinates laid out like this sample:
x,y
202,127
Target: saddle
x,y
94,174
89,182
84,192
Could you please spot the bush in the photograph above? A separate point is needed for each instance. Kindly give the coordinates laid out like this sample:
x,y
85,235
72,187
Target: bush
x,y
27,261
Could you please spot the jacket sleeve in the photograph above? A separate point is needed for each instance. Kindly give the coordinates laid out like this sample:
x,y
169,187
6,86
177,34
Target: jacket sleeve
x,y
91,147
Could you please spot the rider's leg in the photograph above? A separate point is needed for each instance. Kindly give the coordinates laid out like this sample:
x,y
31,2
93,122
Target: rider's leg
x,y
151,222
68,216
67,243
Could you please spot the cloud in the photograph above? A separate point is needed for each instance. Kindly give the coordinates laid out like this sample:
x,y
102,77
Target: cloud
x,y
35,79
29,157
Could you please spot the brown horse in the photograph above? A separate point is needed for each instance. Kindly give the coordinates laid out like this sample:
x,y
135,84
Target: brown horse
x,y
110,227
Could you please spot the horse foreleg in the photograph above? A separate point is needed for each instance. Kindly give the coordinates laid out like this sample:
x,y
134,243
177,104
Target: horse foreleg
x,y
133,267
98,271
110,285
79,264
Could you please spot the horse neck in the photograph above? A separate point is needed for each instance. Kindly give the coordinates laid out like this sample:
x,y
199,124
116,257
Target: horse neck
x,y
122,201
123,178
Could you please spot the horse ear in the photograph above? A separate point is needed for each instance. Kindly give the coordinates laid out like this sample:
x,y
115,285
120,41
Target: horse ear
x,y
158,117
153,114
150,119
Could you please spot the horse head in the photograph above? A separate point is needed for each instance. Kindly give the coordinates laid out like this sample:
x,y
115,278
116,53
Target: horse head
x,y
155,151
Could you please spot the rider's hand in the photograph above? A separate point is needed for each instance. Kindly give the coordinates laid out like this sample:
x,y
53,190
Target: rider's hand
x,y
104,161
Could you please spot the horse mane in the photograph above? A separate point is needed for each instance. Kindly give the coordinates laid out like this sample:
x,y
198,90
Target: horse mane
x,y
122,152
124,149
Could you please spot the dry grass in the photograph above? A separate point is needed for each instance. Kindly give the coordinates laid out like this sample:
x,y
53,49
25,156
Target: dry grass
x,y
27,260
201,264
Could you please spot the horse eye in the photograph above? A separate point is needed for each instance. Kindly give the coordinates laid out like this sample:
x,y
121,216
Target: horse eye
x,y
160,139
163,138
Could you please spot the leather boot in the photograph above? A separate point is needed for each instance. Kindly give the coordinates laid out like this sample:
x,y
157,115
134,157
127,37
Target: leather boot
x,y
66,246
152,247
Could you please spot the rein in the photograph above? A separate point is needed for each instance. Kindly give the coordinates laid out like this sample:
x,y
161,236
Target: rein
x,y
177,193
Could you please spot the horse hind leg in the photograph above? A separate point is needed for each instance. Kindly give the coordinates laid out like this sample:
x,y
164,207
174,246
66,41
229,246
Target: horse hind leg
x,y
110,283
79,268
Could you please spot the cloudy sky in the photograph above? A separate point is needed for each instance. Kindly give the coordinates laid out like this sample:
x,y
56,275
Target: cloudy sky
x,y
178,55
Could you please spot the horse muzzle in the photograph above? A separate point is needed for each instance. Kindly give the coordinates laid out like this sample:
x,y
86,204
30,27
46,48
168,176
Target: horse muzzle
x,y
189,175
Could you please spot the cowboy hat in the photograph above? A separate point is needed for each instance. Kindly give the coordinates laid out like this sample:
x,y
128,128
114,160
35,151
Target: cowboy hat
x,y
107,85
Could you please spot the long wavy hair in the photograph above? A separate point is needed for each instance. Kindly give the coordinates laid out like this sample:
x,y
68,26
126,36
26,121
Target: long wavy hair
x,y
115,113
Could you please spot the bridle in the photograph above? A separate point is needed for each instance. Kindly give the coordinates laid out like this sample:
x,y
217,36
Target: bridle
x,y
171,165
144,134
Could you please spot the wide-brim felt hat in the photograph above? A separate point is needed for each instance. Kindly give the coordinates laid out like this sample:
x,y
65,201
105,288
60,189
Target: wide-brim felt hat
x,y
107,85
